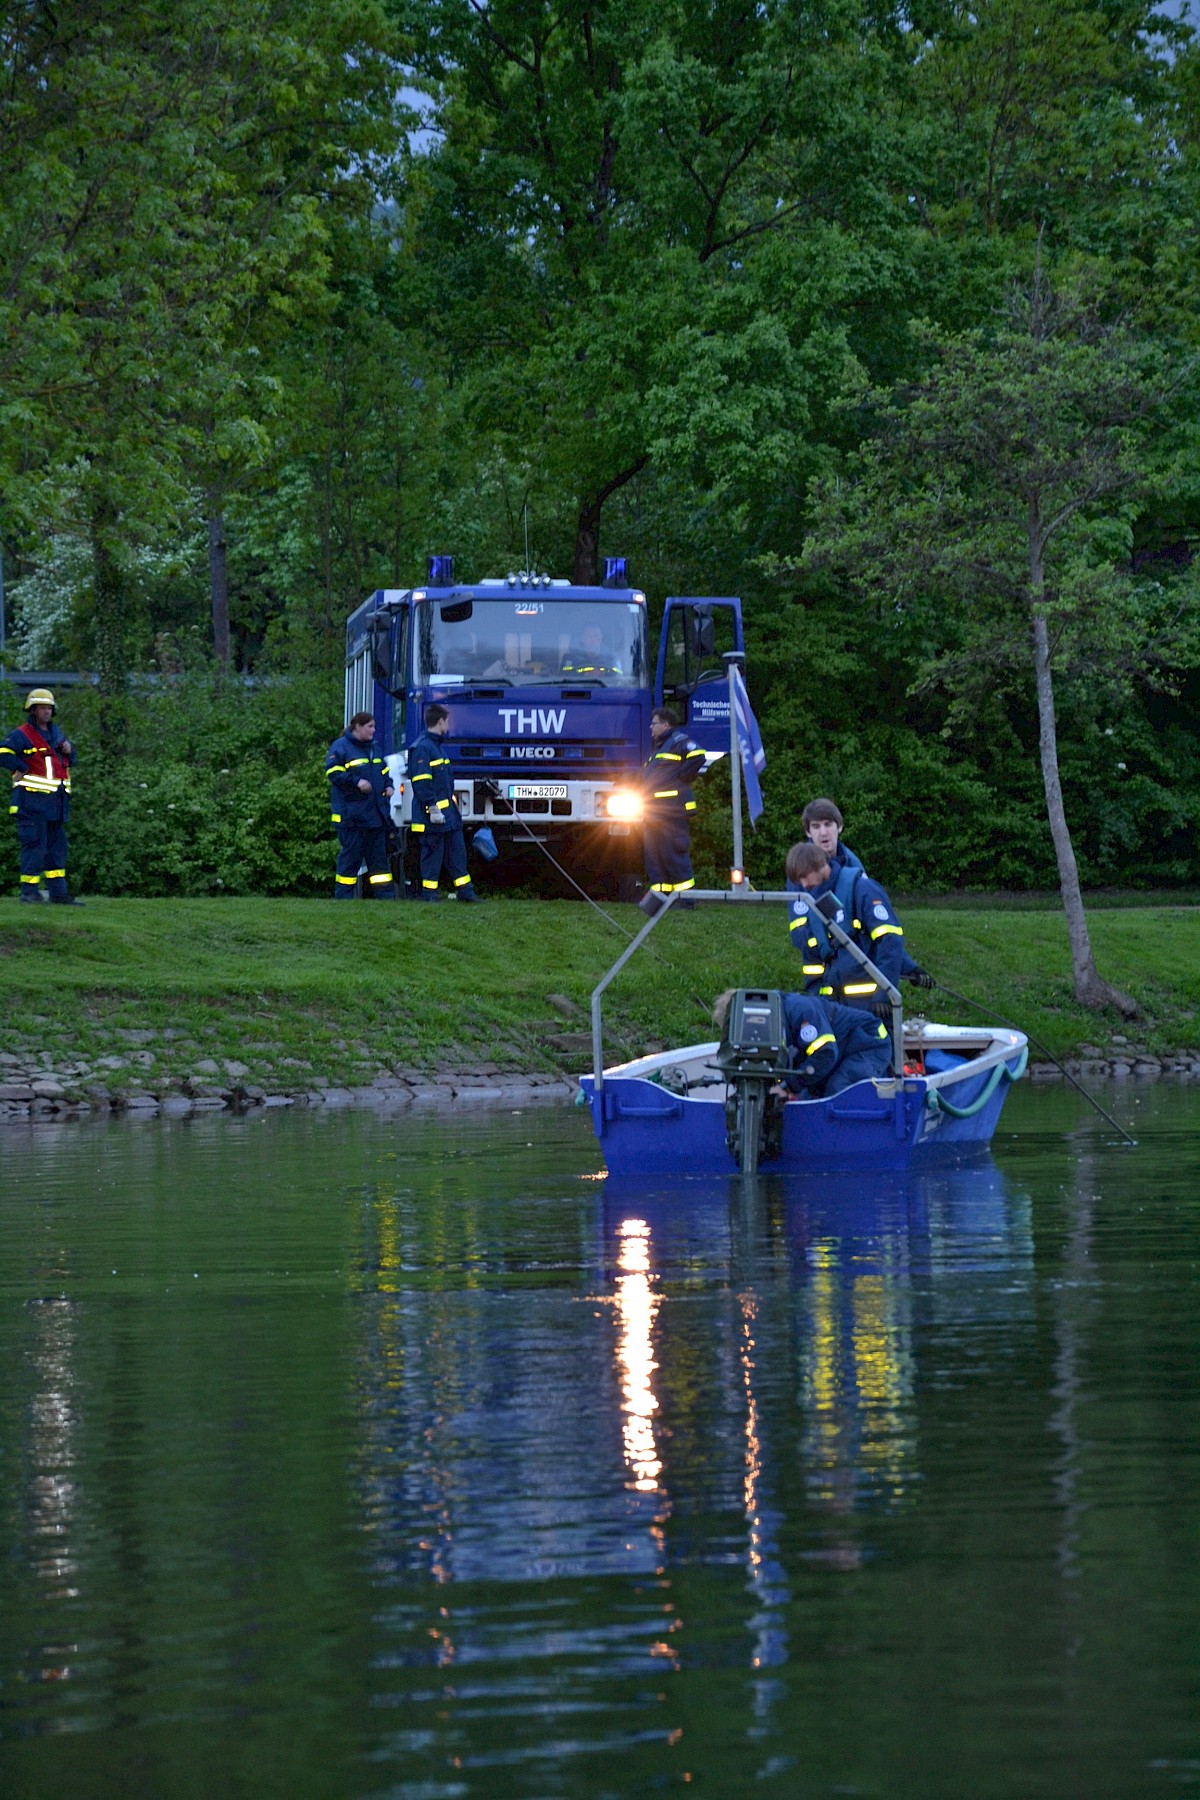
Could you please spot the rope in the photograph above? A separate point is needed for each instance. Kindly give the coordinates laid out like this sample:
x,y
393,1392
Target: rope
x,y
1001,1072
1000,1020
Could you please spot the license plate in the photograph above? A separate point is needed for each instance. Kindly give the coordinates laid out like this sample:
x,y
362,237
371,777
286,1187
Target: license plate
x,y
537,790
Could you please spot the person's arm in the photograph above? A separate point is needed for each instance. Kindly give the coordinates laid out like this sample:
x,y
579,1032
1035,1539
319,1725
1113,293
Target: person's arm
x,y
691,762
421,776
800,936
814,1045
882,933
11,759
343,780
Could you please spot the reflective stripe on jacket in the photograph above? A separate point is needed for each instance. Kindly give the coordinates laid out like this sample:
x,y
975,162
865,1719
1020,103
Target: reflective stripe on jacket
x,y
432,783
40,770
349,762
866,915
669,771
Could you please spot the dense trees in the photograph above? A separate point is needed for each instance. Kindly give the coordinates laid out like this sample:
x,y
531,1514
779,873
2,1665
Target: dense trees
x,y
263,344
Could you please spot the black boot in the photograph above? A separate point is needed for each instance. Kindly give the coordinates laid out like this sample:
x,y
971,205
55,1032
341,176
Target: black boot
x,y
66,900
30,896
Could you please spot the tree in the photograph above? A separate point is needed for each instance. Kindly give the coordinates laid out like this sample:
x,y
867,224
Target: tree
x,y
167,173
587,232
996,496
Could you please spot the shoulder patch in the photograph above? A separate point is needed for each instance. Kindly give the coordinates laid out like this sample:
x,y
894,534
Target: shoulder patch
x,y
881,911
807,1033
799,907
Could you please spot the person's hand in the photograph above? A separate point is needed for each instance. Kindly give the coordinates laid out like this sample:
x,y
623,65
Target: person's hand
x,y
387,793
921,978
882,1010
67,746
364,787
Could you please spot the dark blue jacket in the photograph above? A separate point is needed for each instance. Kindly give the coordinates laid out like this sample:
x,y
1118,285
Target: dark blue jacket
x,y
432,782
824,1035
41,792
866,915
349,762
668,774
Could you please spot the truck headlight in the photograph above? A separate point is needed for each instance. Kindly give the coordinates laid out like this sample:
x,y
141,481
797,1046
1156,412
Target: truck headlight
x,y
623,803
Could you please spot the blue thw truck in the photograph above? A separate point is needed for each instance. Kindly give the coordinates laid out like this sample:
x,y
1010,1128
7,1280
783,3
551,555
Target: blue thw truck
x,y
550,689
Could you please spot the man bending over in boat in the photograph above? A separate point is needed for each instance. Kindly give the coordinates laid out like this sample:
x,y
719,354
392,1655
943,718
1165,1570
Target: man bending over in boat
x,y
865,914
832,1046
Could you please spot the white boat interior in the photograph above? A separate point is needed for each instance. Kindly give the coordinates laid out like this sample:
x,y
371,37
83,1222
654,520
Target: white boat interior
x,y
692,1070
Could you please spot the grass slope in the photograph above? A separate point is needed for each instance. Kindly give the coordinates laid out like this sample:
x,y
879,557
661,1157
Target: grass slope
x,y
297,990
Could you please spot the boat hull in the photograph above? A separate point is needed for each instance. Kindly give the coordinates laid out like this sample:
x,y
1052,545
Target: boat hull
x,y
644,1128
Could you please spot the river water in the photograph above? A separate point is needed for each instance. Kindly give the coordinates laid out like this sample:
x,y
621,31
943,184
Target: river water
x,y
362,1457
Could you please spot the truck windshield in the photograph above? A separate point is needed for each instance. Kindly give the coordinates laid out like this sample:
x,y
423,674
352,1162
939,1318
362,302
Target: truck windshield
x,y
527,641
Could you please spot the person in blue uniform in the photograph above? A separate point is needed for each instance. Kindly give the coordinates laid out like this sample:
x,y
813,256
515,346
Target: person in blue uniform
x,y
822,821
38,758
865,914
591,656
667,777
436,823
360,790
832,1046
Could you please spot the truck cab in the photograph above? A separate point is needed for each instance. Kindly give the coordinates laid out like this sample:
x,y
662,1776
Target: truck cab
x,y
550,689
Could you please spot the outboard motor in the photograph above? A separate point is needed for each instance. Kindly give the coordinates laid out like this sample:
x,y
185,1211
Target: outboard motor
x,y
754,1055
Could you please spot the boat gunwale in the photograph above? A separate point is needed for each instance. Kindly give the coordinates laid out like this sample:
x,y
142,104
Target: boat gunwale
x,y
1003,1044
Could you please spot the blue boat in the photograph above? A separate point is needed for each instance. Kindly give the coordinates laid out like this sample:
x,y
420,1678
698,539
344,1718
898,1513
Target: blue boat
x,y
683,1111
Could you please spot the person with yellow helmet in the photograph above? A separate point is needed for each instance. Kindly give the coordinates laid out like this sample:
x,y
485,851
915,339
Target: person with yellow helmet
x,y
39,758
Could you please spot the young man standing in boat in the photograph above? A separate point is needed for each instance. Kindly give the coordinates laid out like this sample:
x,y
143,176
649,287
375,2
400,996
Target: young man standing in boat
x,y
865,914
823,822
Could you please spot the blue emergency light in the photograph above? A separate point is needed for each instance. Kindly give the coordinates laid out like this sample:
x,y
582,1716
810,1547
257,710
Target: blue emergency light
x,y
614,571
441,571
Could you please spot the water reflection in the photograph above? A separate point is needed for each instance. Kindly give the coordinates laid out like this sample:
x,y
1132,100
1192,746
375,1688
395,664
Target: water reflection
x,y
444,1472
637,1304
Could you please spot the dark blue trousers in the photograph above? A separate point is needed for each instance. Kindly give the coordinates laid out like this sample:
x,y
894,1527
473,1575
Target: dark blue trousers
x,y
43,845
443,847
667,841
860,1065
358,844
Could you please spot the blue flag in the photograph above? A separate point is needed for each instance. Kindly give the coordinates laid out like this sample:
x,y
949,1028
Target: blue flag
x,y
754,757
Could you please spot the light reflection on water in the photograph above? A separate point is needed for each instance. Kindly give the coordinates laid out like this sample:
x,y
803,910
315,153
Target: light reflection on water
x,y
341,1457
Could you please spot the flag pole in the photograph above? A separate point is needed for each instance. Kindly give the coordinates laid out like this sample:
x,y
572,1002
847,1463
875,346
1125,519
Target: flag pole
x,y
733,660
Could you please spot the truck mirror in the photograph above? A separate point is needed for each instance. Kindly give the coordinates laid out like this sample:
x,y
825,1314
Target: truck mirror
x,y
704,633
381,646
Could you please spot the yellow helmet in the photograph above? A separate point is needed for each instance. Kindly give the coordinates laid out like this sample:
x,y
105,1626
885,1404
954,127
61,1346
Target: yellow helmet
x,y
38,697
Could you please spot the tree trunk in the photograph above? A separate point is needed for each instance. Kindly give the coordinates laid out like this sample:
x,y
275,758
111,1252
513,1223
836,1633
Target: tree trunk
x,y
112,666
587,544
587,531
218,573
1090,989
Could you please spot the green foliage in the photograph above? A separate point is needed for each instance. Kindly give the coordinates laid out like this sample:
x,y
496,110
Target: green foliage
x,y
618,297
218,789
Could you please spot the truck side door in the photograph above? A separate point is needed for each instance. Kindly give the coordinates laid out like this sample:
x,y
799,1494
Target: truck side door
x,y
691,675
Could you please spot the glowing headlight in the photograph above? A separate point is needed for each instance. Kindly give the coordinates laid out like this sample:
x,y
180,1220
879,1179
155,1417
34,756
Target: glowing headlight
x,y
622,804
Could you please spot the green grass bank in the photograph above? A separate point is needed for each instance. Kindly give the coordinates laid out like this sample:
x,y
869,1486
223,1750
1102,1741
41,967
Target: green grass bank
x,y
300,992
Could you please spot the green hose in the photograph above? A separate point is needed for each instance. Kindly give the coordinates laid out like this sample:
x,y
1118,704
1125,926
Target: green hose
x,y
1001,1072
